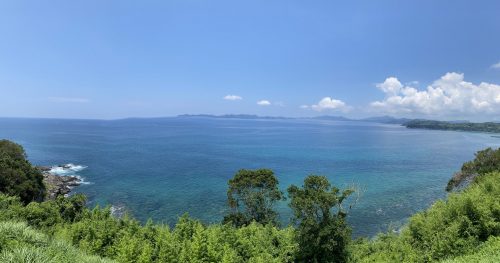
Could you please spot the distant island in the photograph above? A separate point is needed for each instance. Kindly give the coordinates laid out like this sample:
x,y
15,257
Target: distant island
x,y
456,125
231,116
378,119
492,127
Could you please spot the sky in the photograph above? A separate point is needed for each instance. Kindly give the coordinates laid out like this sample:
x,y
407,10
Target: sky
x,y
117,59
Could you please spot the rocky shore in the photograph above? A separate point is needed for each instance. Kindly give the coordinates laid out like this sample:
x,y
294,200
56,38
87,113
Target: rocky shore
x,y
56,184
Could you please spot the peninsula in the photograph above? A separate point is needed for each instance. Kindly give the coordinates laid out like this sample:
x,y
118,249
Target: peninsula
x,y
493,127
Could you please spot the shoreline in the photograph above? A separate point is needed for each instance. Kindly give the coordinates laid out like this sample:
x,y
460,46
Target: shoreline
x,y
58,184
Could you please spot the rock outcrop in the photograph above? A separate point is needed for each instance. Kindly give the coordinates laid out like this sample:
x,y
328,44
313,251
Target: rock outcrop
x,y
56,184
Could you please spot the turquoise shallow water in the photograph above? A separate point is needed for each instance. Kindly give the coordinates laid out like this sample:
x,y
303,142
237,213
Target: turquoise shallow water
x,y
161,168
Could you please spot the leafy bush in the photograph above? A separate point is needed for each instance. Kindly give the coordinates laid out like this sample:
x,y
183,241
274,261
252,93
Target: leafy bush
x,y
252,195
44,215
463,228
450,228
488,252
323,233
20,243
17,176
189,241
485,161
126,240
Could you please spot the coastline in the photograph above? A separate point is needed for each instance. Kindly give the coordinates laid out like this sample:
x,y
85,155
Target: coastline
x,y
57,185
485,127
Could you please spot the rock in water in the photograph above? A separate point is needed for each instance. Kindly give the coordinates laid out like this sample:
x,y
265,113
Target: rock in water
x,y
58,185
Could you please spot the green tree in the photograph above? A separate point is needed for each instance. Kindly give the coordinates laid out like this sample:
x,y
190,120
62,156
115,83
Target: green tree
x,y
251,196
17,176
323,234
485,161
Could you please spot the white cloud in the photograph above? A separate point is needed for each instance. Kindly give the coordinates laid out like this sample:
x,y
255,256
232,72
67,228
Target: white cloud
x,y
450,95
263,103
68,100
232,97
391,85
496,66
328,103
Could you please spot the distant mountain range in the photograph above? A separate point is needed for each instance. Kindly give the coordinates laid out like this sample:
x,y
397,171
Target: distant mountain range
x,y
231,116
455,125
409,123
387,119
380,119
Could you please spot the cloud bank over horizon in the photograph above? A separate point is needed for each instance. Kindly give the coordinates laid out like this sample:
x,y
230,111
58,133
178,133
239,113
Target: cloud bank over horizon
x,y
448,97
328,104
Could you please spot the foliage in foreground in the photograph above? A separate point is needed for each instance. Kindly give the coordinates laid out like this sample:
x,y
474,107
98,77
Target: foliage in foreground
x,y
251,196
485,161
17,176
322,231
450,228
488,252
20,243
126,240
463,228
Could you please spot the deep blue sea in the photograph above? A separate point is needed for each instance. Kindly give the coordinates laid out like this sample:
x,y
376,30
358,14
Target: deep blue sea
x,y
162,168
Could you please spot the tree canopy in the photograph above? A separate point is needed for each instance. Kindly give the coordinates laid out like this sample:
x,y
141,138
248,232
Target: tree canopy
x,y
453,126
323,233
251,197
17,176
463,228
485,161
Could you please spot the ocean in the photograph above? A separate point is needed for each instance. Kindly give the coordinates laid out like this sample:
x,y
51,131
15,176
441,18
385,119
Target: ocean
x,y
162,168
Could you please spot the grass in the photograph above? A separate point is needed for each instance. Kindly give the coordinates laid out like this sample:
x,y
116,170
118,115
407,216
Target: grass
x,y
488,252
21,243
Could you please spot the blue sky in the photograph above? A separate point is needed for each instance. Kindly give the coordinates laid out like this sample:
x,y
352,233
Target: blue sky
x,y
114,59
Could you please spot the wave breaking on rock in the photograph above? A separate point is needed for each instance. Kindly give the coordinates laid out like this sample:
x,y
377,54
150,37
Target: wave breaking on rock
x,y
61,179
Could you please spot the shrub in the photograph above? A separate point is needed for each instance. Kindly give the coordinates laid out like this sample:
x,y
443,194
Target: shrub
x,y
251,195
485,161
17,176
450,228
20,243
323,233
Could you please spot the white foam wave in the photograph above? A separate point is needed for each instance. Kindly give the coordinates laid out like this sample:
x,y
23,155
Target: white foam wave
x,y
69,170
81,180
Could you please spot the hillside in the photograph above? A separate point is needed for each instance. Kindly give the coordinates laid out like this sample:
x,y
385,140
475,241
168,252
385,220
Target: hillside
x,y
21,243
450,228
492,127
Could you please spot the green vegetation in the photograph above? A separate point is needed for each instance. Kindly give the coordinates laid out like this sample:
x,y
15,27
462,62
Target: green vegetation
x,y
97,232
454,126
20,243
450,228
463,228
251,196
488,252
17,176
323,234
485,161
